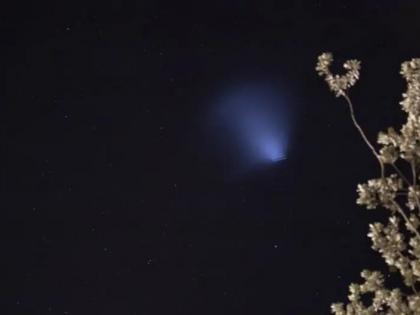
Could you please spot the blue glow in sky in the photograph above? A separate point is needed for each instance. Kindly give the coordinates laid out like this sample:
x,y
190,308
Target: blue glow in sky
x,y
253,123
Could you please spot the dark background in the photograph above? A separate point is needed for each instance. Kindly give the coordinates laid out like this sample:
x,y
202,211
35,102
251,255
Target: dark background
x,y
112,199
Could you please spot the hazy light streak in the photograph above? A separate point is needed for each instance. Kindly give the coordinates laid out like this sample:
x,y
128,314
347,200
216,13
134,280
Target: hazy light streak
x,y
253,122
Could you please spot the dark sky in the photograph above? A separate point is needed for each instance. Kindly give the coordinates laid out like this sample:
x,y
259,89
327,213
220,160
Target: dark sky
x,y
116,197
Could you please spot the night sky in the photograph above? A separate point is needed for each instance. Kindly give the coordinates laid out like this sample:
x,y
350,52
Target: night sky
x,y
185,158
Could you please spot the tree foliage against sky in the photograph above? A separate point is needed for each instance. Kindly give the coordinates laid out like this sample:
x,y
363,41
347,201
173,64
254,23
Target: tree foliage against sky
x,y
397,191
